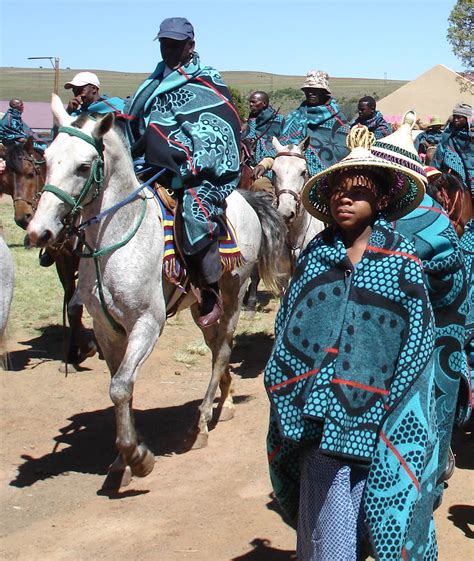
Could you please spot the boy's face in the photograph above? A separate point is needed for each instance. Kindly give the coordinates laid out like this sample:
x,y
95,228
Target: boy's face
x,y
353,200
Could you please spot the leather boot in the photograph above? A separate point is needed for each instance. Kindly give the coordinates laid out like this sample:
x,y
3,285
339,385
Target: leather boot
x,y
210,309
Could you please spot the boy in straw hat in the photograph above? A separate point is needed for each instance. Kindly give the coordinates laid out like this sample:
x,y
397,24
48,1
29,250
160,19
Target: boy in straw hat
x,y
350,378
430,230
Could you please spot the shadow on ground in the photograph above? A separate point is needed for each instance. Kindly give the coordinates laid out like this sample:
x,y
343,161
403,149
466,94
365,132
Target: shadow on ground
x,y
47,346
462,516
86,444
262,550
252,351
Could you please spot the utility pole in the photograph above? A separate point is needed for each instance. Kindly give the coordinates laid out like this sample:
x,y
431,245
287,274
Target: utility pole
x,y
54,60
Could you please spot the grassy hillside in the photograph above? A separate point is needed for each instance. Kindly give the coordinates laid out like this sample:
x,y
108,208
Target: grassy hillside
x,y
36,85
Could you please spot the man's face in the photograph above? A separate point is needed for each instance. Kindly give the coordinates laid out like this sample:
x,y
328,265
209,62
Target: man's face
x,y
88,93
315,96
176,53
257,104
459,122
365,112
18,105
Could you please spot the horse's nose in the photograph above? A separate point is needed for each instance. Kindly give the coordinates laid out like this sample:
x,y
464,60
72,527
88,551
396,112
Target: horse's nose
x,y
288,218
39,239
23,220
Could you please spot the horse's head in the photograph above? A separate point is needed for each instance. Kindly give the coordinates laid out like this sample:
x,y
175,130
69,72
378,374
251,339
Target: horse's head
x,y
23,179
289,176
450,192
74,162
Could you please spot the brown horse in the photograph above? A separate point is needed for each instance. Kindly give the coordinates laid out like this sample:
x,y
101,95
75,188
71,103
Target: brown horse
x,y
451,194
23,180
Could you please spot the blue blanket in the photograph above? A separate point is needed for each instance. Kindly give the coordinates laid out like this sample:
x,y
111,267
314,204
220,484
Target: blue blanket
x,y
262,128
102,106
186,123
327,129
437,244
360,385
376,125
466,401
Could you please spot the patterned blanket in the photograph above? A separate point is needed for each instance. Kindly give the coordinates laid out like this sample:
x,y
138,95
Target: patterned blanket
x,y
103,106
262,128
186,123
437,244
455,152
361,385
376,124
466,392
327,128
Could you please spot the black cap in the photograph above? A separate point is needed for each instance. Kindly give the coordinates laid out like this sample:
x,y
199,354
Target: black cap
x,y
179,29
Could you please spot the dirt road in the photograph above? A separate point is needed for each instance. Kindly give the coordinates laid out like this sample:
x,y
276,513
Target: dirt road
x,y
206,505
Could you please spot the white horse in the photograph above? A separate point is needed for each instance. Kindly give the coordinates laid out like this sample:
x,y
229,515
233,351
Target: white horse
x,y
122,287
6,290
290,173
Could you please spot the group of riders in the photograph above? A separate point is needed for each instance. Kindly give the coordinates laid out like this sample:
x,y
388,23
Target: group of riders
x,y
373,192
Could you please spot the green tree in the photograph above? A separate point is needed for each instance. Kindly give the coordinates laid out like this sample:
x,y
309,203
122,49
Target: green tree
x,y
239,103
461,32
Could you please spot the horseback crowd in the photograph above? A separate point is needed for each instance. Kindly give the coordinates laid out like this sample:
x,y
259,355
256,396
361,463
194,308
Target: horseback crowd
x,y
374,337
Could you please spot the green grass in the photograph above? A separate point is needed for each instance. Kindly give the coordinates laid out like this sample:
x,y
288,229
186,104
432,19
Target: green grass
x,y
37,84
38,295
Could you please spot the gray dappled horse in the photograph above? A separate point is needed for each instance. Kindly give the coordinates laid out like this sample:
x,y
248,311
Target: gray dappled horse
x,y
122,287
6,289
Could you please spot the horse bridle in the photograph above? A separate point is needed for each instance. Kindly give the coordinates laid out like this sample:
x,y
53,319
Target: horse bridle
x,y
95,178
36,168
296,196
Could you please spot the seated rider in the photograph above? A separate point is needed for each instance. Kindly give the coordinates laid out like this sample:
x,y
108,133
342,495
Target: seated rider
x,y
85,86
14,130
182,119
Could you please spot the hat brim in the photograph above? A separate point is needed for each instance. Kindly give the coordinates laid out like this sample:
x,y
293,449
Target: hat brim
x,y
409,197
172,35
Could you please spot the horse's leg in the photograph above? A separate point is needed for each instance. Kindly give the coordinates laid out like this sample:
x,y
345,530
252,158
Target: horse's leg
x,y
250,299
140,343
79,345
219,338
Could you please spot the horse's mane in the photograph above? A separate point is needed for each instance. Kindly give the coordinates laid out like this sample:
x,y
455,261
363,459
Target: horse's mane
x,y
14,155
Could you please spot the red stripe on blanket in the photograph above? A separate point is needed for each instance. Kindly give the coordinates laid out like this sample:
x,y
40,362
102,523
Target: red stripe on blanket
x,y
218,93
372,389
434,209
404,554
293,380
331,350
391,447
273,454
185,148
201,206
390,252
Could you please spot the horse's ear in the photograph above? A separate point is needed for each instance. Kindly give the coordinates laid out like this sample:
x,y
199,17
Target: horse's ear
x,y
103,125
303,145
28,146
60,115
277,145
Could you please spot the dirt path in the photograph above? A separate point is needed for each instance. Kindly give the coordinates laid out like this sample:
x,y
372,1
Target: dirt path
x,y
207,505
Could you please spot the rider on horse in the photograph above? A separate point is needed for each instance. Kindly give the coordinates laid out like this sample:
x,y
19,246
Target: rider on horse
x,y
182,119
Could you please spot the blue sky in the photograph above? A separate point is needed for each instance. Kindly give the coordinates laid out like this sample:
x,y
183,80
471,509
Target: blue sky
x,y
351,38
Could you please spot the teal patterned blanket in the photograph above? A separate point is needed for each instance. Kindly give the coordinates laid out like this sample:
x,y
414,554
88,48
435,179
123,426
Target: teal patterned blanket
x,y
360,385
186,122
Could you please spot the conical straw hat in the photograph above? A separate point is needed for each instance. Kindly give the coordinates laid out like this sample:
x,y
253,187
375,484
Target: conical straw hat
x,y
404,187
399,148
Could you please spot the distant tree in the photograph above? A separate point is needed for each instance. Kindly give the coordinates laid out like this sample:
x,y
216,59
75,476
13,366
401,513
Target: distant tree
x,y
239,103
461,32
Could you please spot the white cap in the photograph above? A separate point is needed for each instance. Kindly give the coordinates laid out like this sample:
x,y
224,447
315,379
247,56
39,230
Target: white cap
x,y
82,79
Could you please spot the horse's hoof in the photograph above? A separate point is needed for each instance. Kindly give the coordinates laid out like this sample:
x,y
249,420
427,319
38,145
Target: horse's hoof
x,y
70,368
117,478
200,441
227,413
144,466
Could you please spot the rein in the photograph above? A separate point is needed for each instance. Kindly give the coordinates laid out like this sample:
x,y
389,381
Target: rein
x,y
96,177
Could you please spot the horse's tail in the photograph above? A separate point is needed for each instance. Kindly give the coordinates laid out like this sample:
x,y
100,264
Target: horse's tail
x,y
274,232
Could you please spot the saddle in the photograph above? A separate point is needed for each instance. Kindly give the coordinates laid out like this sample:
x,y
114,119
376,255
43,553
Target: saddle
x,y
175,268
